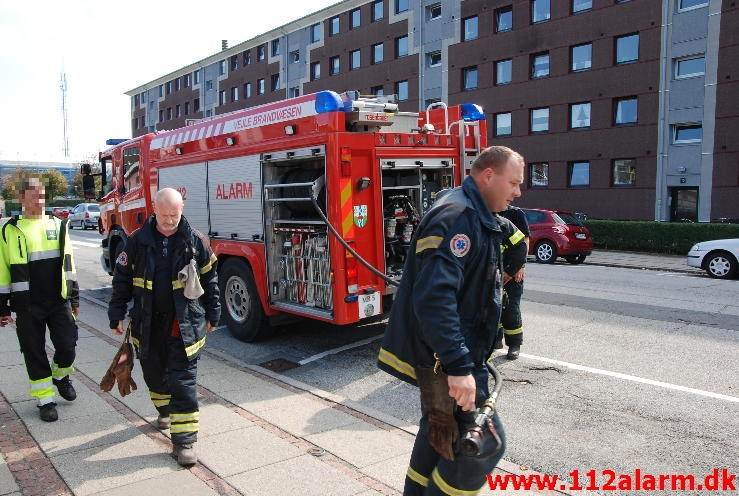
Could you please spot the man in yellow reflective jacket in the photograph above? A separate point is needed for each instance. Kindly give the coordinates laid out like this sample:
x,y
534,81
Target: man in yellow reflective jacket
x,y
39,283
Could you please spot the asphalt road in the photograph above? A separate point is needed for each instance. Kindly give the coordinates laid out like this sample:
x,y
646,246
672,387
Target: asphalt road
x,y
620,369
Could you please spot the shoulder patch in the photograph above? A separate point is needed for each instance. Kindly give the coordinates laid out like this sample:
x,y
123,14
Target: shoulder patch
x,y
459,245
122,259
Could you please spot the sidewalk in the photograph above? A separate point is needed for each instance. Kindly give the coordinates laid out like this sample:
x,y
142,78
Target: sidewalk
x,y
259,435
638,260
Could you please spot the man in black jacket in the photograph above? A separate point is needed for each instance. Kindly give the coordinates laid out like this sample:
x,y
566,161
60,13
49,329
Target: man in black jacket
x,y
168,327
445,317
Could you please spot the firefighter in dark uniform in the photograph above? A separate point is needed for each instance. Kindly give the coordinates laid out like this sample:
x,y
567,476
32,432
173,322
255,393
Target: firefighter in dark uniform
x,y
511,325
445,318
39,283
168,322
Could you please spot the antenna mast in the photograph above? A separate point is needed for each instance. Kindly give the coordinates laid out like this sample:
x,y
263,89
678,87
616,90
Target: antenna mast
x,y
63,88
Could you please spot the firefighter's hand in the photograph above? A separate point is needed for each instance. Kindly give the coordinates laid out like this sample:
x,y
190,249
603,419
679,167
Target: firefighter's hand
x,y
506,278
520,275
462,388
5,320
76,311
210,327
118,330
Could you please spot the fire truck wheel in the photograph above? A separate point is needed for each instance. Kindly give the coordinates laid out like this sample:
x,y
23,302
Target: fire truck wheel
x,y
240,301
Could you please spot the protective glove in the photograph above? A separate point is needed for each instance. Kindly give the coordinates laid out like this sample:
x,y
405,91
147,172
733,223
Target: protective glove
x,y
443,430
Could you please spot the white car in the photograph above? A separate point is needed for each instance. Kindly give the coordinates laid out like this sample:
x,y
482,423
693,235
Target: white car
x,y
84,215
718,258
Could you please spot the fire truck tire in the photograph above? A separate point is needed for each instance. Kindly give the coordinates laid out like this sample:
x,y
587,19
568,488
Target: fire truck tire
x,y
240,302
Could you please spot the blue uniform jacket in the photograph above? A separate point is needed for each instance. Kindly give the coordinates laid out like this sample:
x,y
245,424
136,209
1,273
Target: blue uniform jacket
x,y
449,297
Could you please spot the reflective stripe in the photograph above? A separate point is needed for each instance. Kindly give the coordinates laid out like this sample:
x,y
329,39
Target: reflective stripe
x,y
180,428
19,286
71,276
513,331
428,242
59,372
451,491
42,388
4,289
178,418
209,265
417,478
139,283
43,255
195,347
177,285
160,403
159,396
393,361
516,237
135,341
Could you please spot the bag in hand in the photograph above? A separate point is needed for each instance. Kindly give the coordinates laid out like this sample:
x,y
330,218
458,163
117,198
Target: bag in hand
x,y
121,368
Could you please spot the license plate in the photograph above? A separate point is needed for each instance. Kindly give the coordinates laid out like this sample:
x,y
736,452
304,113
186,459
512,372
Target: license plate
x,y
581,236
369,305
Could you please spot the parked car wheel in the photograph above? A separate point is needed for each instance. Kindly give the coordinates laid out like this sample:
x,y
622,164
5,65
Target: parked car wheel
x,y
241,302
575,259
720,265
545,252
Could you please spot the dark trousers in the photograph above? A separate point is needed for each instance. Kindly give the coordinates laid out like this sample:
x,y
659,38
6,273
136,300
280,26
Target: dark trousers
x,y
511,325
171,379
31,330
430,475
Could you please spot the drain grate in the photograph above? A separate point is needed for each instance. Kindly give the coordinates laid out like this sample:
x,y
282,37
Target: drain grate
x,y
279,365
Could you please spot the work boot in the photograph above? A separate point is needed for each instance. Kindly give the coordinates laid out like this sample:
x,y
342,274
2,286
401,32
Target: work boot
x,y
513,352
48,412
185,454
162,422
65,388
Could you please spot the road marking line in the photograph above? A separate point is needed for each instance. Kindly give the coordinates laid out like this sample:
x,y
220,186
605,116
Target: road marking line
x,y
333,351
85,243
633,378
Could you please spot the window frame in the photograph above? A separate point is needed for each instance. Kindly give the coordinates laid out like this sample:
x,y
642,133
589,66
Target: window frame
x,y
496,18
352,54
590,115
496,70
616,102
575,12
532,168
533,10
337,20
468,70
571,170
572,58
683,125
358,12
398,40
613,173
382,53
373,7
315,75
676,74
464,28
615,49
430,56
510,123
681,9
532,65
430,10
331,71
407,90
531,120
315,32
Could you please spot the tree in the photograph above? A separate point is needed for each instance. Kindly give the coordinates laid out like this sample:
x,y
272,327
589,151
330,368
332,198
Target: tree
x,y
55,182
11,182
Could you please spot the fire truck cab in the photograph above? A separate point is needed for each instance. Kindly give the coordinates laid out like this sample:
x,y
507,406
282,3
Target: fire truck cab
x,y
265,183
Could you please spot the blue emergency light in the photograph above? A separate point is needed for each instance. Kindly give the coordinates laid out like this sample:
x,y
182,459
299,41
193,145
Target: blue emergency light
x,y
328,101
115,141
472,112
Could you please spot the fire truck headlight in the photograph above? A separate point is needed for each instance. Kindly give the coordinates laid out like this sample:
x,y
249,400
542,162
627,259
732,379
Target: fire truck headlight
x,y
328,101
472,112
230,141
178,150
290,129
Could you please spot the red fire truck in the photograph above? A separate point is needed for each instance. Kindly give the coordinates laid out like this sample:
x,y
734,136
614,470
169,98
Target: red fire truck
x,y
282,188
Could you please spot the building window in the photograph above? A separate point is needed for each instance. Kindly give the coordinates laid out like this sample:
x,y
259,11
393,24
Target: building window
x,y
581,5
627,48
234,62
274,82
579,174
355,18
169,113
378,90
539,175
401,47
187,80
169,87
691,4
315,71
540,65
334,25
275,47
378,10
540,11
222,97
295,56
177,84
260,53
187,108
689,67
196,76
469,28
503,19
687,133
540,120
503,71
136,100
222,68
247,90
334,65
235,94
433,12
401,6
626,110
401,90
433,59
469,78
209,84
196,105
209,113
260,86
624,172
161,115
143,98
247,58
378,53
581,57
315,33
161,90
355,60
293,92
503,124
579,115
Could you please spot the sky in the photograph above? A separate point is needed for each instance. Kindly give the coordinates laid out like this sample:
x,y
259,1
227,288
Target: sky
x,y
106,48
